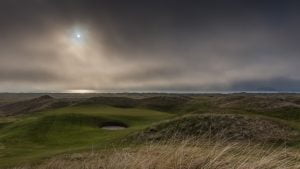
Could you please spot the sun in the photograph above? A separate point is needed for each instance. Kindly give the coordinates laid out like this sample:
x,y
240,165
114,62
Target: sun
x,y
78,35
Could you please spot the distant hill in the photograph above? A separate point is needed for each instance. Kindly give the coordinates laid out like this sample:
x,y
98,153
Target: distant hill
x,y
32,105
162,103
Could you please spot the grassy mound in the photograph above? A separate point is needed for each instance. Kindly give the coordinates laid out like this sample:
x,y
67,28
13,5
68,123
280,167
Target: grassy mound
x,y
231,127
69,129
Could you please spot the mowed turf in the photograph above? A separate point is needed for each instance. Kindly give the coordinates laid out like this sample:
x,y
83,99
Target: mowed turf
x,y
69,129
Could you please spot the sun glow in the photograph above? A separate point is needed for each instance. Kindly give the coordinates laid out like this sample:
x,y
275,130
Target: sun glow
x,y
78,35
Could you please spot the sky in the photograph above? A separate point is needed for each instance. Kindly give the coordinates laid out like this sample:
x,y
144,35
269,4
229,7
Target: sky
x,y
149,46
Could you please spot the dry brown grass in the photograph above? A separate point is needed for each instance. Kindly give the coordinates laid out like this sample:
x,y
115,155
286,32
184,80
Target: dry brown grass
x,y
180,155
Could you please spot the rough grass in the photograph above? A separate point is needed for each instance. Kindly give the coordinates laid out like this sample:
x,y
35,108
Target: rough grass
x,y
187,154
224,126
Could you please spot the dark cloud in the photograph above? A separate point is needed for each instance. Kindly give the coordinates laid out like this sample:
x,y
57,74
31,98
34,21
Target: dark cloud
x,y
34,76
149,45
275,84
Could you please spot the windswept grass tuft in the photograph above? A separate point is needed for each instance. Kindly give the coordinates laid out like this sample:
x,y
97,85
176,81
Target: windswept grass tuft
x,y
187,154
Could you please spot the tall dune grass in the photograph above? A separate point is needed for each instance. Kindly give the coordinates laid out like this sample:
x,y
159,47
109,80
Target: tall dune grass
x,y
186,154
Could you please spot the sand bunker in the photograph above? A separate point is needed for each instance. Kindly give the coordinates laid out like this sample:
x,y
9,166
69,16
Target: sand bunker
x,y
113,126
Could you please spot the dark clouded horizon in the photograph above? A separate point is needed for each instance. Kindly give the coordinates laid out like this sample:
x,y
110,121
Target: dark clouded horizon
x,y
142,45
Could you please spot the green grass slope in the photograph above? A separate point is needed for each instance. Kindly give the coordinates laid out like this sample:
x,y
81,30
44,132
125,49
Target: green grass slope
x,y
68,129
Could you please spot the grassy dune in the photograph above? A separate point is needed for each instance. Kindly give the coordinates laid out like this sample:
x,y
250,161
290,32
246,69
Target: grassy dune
x,y
68,129
231,127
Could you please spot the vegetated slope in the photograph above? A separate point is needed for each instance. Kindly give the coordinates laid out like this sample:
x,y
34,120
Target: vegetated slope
x,y
231,127
280,106
161,103
69,129
283,106
276,105
33,105
122,102
257,102
165,103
